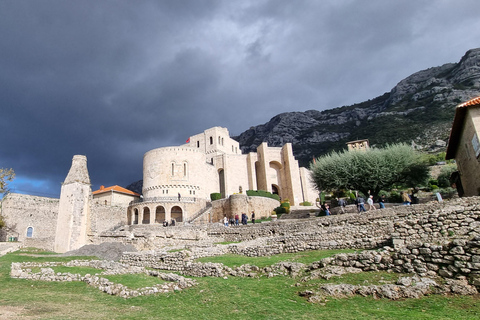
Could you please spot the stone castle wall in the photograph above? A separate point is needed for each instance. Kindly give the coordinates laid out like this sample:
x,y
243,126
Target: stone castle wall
x,y
23,211
241,203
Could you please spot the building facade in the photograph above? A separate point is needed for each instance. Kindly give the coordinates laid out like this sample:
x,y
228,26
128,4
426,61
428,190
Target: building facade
x,y
178,181
464,147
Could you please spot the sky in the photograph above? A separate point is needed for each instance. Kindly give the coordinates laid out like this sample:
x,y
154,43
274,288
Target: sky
x,y
114,79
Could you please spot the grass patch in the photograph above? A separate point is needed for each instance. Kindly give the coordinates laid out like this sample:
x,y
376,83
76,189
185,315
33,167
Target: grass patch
x,y
135,281
227,242
233,260
216,298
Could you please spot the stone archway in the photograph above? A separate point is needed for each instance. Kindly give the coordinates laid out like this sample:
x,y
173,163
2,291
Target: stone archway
x,y
159,214
135,220
146,215
177,214
221,179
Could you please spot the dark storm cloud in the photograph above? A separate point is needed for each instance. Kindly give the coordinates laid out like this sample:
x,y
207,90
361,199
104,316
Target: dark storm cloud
x,y
114,79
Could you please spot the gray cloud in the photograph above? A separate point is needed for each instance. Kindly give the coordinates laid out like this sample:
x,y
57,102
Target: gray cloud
x,y
114,79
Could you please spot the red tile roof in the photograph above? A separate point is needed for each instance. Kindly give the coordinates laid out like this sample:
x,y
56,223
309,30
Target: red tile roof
x,y
471,102
457,126
115,189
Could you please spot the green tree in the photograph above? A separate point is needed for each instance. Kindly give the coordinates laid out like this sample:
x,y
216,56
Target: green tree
x,y
5,176
370,171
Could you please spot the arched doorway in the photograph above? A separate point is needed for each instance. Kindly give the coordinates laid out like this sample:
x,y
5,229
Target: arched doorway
x,y
159,214
177,214
135,220
221,179
146,216
274,189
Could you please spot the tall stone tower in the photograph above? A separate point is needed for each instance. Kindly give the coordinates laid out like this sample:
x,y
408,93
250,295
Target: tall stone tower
x,y
74,207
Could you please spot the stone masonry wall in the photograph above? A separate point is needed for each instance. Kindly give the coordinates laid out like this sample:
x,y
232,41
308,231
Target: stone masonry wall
x,y
23,211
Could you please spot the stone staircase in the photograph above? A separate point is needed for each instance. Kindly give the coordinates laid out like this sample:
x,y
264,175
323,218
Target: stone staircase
x,y
206,210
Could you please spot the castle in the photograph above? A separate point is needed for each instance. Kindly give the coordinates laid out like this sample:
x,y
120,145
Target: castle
x,y
177,183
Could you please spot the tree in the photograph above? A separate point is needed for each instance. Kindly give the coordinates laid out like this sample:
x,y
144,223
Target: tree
x,y
5,176
370,171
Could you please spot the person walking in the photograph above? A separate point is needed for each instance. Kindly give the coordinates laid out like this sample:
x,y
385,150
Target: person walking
x,y
236,219
370,203
361,204
406,199
381,201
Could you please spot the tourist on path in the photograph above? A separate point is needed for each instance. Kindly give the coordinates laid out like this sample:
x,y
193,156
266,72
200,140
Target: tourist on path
x,y
406,199
361,204
253,217
381,201
370,204
236,219
342,204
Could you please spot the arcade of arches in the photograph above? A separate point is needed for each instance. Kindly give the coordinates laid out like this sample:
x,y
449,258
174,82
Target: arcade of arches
x,y
158,215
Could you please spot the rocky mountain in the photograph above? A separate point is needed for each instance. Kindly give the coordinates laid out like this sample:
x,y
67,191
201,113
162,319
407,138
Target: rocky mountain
x,y
418,110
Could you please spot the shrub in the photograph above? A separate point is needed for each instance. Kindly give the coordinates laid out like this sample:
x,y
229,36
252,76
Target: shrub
x,y
280,210
306,204
286,205
395,196
262,193
444,176
215,196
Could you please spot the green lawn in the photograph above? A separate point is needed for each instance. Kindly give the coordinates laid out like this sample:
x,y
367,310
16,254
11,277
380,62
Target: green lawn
x,y
217,298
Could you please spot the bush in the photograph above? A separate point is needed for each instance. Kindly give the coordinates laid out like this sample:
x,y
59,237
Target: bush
x,y
286,205
306,204
395,197
262,193
444,176
280,210
215,196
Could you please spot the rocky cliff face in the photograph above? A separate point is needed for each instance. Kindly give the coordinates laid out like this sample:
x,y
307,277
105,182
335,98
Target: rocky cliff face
x,y
418,110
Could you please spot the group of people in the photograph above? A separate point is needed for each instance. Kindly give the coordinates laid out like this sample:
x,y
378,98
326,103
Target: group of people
x,y
236,220
172,223
360,202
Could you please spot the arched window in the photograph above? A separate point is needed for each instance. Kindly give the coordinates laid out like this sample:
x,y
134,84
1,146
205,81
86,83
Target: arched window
x,y
173,169
219,140
184,169
29,232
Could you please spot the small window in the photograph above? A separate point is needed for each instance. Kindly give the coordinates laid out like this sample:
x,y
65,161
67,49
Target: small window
x,y
184,169
211,140
173,169
198,144
106,202
29,232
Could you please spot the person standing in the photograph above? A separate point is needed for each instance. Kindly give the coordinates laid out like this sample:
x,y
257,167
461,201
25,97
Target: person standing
x,y
327,210
342,204
236,219
253,217
225,221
